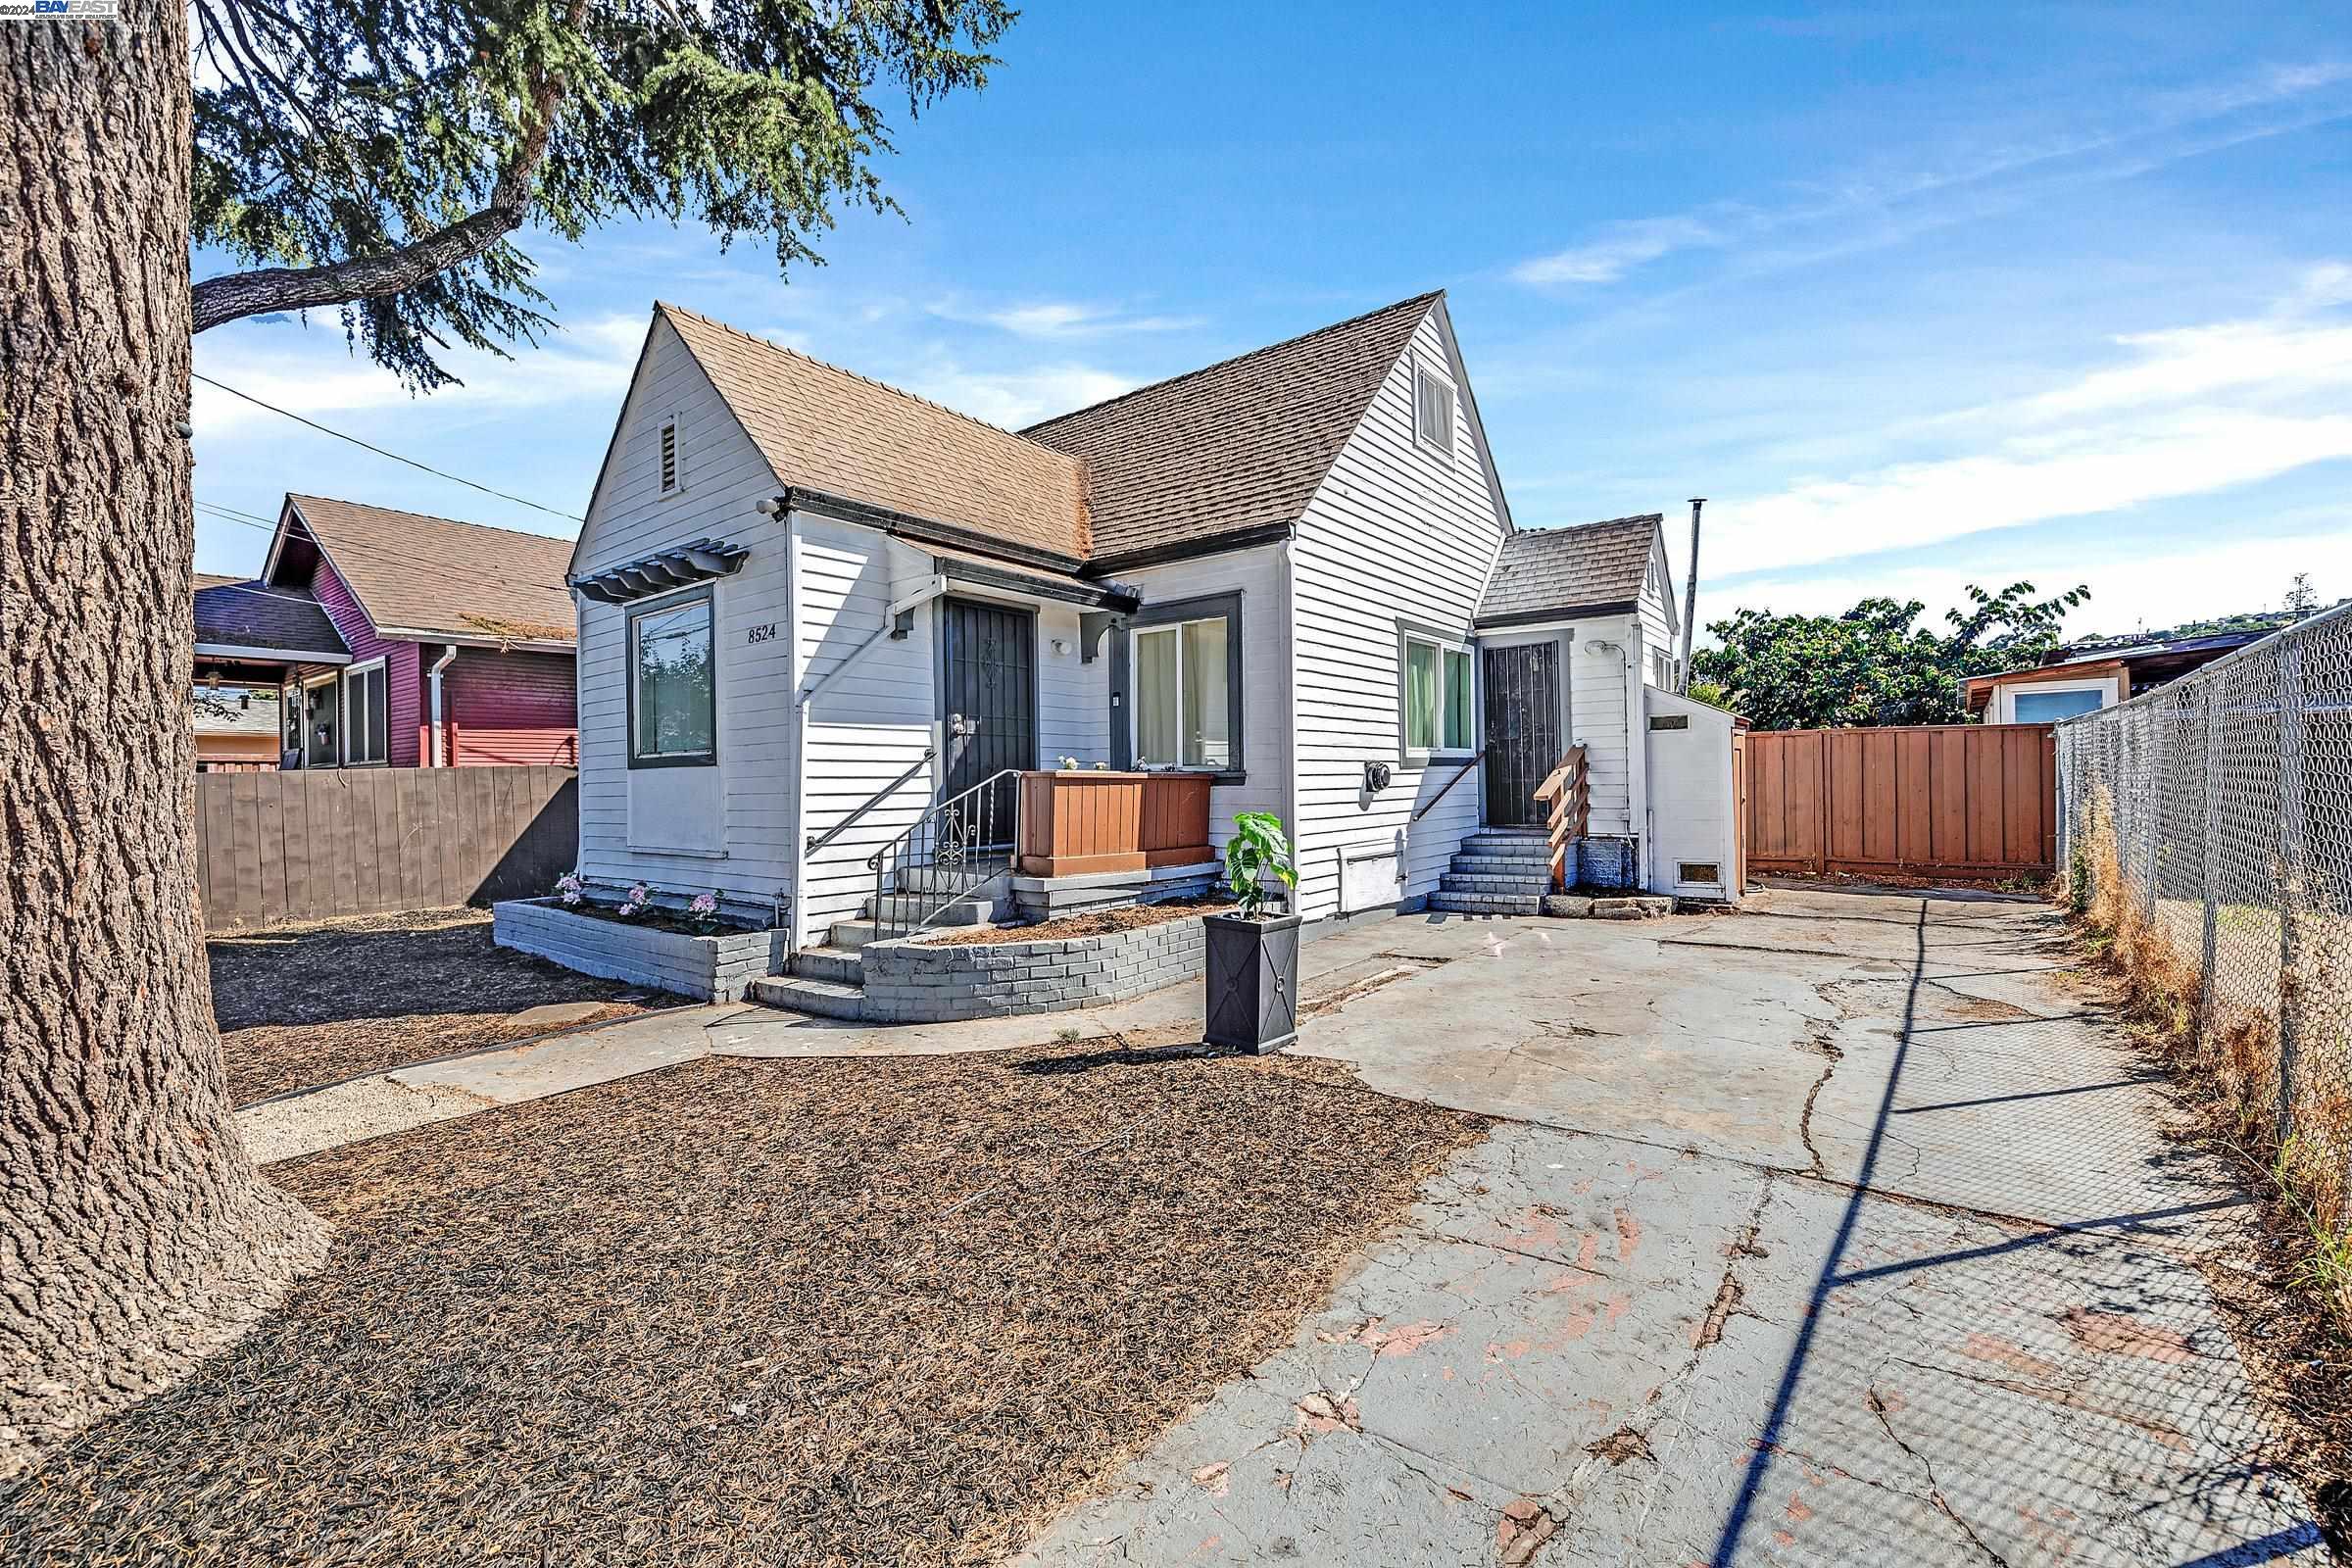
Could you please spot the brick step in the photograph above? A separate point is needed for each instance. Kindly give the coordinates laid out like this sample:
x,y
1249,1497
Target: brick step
x,y
906,909
949,879
847,936
1533,838
1501,864
826,999
1485,904
840,965
1529,886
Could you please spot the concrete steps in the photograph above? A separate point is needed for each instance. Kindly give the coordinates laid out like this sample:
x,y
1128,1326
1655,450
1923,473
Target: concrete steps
x,y
1496,871
840,965
826,999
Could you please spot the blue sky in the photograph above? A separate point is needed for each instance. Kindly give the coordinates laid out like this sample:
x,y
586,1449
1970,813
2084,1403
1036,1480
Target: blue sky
x,y
1916,295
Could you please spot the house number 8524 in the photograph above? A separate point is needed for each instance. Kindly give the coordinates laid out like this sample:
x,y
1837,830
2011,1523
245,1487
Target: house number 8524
x,y
763,634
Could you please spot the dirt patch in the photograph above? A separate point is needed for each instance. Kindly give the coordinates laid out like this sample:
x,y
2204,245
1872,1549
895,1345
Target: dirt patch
x,y
304,1006
755,1311
1097,923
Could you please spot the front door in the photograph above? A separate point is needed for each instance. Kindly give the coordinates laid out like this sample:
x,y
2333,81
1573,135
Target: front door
x,y
988,677
1523,729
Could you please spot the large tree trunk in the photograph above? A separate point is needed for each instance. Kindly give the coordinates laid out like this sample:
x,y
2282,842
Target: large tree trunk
x,y
135,1234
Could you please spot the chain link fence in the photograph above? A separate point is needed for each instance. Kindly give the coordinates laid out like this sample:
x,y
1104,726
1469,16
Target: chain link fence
x,y
2207,827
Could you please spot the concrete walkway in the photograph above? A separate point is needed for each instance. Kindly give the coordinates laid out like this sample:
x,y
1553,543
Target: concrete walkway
x,y
1836,1232
309,1120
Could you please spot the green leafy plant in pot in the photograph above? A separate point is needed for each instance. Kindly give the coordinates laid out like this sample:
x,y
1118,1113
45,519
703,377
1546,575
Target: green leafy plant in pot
x,y
1253,971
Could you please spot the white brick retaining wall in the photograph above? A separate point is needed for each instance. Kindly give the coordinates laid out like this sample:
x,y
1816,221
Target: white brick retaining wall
x,y
920,982
713,968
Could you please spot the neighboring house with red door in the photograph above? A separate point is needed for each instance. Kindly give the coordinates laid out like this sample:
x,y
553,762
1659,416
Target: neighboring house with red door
x,y
392,639
816,612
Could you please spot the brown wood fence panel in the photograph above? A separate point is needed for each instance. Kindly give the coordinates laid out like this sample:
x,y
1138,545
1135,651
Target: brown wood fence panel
x,y
1947,800
311,843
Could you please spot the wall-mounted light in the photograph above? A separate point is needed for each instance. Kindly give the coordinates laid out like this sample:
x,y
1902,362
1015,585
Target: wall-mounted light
x,y
1061,647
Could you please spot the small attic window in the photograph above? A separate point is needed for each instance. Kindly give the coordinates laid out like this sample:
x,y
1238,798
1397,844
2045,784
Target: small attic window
x,y
1433,411
671,478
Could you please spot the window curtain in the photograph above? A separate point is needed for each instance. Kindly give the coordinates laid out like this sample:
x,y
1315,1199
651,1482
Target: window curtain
x,y
1460,732
1157,721
1206,715
1422,699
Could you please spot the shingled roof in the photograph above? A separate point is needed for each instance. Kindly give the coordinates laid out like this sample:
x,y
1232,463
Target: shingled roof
x,y
233,613
1237,446
1597,567
829,430
416,573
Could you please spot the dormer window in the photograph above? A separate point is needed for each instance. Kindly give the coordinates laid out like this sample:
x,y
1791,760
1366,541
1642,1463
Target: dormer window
x,y
1433,411
673,478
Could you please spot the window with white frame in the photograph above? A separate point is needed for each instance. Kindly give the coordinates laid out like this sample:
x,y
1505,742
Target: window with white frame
x,y
1184,694
367,724
1433,411
673,476
1440,695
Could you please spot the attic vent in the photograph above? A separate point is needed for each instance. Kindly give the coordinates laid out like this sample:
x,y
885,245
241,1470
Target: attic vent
x,y
669,456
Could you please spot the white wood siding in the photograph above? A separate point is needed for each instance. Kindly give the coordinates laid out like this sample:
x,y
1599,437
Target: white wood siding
x,y
1393,532
742,804
874,720
1597,700
1256,576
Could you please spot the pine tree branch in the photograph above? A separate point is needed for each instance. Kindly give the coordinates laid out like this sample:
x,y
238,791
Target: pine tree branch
x,y
233,296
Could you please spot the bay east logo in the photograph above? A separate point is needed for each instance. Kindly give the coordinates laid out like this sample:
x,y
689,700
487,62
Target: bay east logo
x,y
58,10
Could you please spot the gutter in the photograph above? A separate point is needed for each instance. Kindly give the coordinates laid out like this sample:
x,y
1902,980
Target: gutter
x,y
449,654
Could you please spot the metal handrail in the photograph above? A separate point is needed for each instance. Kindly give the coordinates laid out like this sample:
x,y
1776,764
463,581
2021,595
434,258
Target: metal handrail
x,y
943,836
1423,809
876,798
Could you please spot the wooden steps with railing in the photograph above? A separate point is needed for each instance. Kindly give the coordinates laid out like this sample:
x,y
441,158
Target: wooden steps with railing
x,y
1568,792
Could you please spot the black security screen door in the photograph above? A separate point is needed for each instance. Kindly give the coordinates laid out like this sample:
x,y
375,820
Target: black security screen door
x,y
1523,731
988,673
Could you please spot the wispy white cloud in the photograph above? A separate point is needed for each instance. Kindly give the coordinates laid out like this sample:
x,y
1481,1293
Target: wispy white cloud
x,y
1870,207
1061,319
1014,398
2192,410
312,372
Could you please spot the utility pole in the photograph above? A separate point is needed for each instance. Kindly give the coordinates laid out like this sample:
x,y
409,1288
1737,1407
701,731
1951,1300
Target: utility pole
x,y
1681,685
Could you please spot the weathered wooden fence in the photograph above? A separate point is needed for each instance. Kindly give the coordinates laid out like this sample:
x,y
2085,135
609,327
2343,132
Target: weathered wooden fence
x,y
309,844
1942,801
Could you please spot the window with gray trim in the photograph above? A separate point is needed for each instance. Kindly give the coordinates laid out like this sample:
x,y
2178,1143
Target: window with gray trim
x,y
1437,694
673,706
1184,685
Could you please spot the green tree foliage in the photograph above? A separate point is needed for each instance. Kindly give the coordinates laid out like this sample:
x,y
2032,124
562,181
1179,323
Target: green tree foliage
x,y
378,155
1876,664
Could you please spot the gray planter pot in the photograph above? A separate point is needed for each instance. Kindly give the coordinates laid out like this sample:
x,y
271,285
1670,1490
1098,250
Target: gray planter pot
x,y
1252,982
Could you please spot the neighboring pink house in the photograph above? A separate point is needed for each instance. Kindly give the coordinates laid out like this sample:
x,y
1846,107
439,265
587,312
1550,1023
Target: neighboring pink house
x,y
400,640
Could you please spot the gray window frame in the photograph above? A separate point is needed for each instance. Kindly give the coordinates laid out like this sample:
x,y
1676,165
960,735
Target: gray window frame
x,y
628,662
1202,606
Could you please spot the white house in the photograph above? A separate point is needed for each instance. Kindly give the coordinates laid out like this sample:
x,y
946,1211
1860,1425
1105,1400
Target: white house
x,y
1279,570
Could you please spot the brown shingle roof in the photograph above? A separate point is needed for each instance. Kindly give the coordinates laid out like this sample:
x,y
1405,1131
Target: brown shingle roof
x,y
1239,445
433,574
1552,570
828,429
232,612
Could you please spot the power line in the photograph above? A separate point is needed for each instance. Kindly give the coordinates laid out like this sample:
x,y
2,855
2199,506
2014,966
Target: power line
x,y
370,446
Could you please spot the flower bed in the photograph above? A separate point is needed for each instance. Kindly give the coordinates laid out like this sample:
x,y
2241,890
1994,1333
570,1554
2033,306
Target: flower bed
x,y
715,966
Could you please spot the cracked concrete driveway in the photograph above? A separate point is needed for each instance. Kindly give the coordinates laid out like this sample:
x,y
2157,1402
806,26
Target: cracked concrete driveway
x,y
1836,1230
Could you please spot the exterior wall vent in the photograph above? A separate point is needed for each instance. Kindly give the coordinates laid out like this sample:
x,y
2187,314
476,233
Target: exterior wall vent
x,y
1698,871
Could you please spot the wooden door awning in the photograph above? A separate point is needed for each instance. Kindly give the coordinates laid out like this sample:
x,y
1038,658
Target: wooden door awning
x,y
678,566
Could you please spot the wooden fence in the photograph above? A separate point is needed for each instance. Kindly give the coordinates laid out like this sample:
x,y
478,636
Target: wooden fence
x,y
309,844
1942,801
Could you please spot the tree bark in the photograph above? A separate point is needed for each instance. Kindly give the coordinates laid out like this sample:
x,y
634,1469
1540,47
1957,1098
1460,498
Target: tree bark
x,y
135,1234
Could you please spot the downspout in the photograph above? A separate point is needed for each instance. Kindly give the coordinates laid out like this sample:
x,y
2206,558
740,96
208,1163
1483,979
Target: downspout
x,y
1681,682
1286,606
449,654
1637,754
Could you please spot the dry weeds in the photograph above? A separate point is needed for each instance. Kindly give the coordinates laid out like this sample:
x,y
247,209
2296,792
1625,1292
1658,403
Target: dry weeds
x,y
801,1312
1098,922
304,1006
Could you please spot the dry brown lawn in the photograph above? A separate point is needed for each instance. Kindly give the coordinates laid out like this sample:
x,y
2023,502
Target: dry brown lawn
x,y
806,1313
304,1006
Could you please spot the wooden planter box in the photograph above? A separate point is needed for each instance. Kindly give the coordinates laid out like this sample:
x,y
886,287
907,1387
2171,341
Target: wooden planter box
x,y
1083,823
